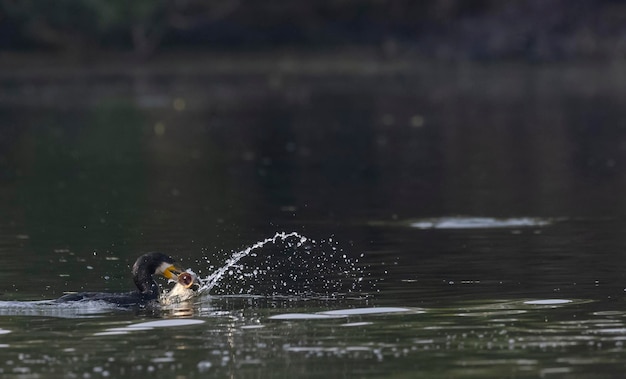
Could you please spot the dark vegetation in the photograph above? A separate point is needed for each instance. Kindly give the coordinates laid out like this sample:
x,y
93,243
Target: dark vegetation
x,y
450,29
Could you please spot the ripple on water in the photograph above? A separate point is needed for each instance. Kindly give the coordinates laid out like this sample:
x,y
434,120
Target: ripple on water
x,y
610,313
166,323
369,311
609,331
363,323
516,307
492,362
343,313
548,302
483,313
336,351
478,222
303,316
149,325
48,308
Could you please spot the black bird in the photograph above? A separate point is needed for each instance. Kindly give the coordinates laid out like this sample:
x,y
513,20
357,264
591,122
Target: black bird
x,y
147,289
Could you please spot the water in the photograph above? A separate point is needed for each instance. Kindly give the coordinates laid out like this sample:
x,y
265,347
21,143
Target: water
x,y
444,222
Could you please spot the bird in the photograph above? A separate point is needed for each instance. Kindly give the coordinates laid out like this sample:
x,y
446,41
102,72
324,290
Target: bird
x,y
147,291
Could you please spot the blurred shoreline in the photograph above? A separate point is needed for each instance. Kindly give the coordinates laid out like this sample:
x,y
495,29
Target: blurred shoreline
x,y
37,79
349,61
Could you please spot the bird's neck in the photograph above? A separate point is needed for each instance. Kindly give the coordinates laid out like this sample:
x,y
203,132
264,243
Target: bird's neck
x,y
147,286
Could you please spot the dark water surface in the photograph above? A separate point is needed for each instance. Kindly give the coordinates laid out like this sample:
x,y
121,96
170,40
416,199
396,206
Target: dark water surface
x,y
453,222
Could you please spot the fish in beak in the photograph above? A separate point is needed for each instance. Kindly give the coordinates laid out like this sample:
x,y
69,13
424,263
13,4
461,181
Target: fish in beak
x,y
189,280
186,287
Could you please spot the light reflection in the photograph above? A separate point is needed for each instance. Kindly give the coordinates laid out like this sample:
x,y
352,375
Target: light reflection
x,y
479,222
149,325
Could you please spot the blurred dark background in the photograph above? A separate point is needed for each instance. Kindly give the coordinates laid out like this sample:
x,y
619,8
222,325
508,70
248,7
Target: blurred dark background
x,y
449,29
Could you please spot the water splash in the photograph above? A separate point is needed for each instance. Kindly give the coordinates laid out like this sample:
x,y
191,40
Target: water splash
x,y
212,280
290,264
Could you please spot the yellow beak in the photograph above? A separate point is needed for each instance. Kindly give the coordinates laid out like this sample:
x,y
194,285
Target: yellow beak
x,y
171,272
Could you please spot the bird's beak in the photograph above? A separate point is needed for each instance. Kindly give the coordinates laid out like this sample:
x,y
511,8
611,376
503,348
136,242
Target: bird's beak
x,y
171,272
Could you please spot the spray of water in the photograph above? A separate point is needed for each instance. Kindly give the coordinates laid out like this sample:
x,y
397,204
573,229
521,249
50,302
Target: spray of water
x,y
212,280
286,264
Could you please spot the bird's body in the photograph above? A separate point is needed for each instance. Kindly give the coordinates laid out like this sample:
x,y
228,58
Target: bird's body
x,y
147,291
125,299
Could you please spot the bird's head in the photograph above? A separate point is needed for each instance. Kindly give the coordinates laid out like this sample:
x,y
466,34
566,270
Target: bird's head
x,y
156,263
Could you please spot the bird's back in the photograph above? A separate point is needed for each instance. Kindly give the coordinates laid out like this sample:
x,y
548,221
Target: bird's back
x,y
121,299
